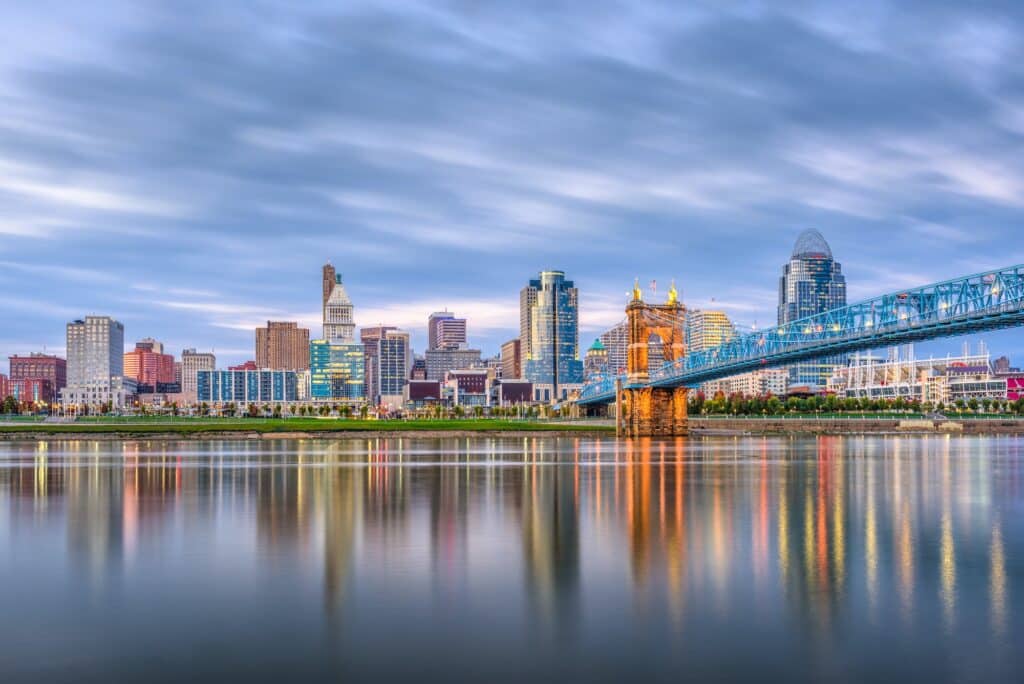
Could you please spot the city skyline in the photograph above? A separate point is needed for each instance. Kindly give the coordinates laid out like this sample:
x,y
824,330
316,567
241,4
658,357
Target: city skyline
x,y
240,201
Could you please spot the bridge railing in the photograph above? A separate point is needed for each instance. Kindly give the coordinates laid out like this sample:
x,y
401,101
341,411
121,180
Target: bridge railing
x,y
949,307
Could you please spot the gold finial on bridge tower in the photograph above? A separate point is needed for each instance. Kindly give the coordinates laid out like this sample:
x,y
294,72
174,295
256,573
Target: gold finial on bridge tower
x,y
637,294
673,293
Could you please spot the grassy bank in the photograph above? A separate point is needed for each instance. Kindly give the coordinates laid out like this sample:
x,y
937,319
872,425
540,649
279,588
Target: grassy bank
x,y
190,426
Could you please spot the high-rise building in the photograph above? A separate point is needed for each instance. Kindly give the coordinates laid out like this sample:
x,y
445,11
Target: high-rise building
x,y
5,387
445,331
811,283
707,329
394,365
616,342
552,353
339,325
337,371
95,364
36,366
148,365
282,345
328,277
440,361
527,301
371,337
511,360
191,363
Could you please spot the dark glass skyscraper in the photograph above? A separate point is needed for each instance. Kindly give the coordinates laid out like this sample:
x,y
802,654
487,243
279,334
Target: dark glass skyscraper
x,y
551,352
812,282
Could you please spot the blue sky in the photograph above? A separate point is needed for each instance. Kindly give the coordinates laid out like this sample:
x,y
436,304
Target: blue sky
x,y
188,167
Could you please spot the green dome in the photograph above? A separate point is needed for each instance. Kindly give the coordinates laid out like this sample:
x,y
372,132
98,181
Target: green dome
x,y
597,346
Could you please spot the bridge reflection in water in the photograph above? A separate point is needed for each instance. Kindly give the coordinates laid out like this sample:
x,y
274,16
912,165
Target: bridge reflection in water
x,y
802,544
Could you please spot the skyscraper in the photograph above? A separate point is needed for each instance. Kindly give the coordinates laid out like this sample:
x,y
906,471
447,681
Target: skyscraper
x,y
707,329
551,351
282,345
616,341
148,365
329,276
445,331
338,322
811,283
371,337
394,359
95,366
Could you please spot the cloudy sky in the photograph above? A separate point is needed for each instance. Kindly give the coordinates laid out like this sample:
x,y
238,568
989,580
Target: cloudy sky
x,y
188,167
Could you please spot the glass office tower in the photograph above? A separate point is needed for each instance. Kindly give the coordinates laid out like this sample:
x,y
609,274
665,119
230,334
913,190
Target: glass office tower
x,y
552,351
811,283
337,370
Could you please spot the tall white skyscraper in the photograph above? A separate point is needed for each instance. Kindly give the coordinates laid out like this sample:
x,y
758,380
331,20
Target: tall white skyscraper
x,y
338,323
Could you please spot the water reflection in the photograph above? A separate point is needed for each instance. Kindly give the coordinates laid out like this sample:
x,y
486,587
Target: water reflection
x,y
805,544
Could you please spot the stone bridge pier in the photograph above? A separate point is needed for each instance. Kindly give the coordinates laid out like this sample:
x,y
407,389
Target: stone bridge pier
x,y
652,411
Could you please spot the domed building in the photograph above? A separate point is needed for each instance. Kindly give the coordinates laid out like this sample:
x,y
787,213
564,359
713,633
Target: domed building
x,y
811,283
595,363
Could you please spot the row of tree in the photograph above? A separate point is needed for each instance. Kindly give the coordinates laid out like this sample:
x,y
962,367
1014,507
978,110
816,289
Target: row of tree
x,y
737,404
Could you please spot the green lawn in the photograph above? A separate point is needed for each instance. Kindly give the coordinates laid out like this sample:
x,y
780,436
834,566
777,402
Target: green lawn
x,y
200,425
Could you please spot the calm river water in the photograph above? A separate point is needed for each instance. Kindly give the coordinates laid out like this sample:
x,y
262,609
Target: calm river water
x,y
488,559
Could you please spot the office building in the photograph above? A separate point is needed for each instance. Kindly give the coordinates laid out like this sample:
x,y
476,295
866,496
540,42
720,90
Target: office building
x,y
511,359
247,386
616,342
394,364
36,366
419,368
527,301
551,354
423,393
282,345
440,361
339,324
148,365
511,392
707,329
5,387
445,331
812,282
191,363
371,337
95,364
337,371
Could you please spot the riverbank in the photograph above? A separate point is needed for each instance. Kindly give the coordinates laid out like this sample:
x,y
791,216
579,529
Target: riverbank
x,y
846,426
289,428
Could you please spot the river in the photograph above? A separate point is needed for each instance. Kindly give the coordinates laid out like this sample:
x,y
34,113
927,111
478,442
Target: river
x,y
853,558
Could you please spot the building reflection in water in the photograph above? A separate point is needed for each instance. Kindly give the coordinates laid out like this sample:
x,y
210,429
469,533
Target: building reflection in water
x,y
820,531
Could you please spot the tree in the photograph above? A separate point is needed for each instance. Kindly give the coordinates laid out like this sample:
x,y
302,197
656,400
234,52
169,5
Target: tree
x,y
972,404
230,409
252,410
10,405
174,408
277,410
459,411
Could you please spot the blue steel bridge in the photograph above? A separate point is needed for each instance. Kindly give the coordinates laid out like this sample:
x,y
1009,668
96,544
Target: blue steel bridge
x,y
984,301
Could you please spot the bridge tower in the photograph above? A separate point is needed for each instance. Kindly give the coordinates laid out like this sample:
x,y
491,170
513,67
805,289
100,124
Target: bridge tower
x,y
645,411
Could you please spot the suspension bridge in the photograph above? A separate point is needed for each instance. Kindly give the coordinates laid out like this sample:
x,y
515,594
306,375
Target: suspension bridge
x,y
653,402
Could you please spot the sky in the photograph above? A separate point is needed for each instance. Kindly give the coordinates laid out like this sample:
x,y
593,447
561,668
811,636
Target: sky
x,y
188,167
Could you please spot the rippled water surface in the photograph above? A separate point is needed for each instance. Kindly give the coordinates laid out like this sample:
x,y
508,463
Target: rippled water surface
x,y
483,559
